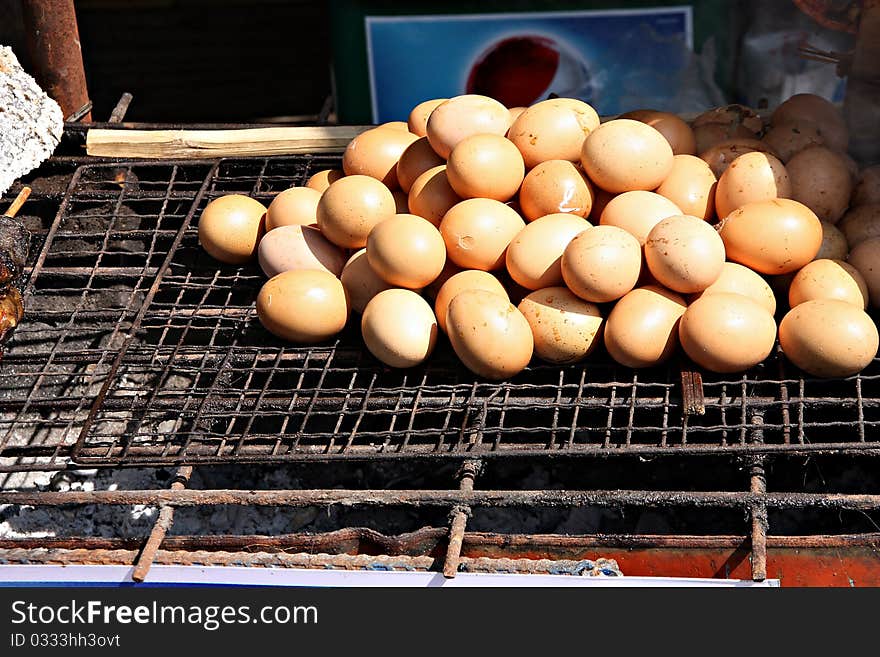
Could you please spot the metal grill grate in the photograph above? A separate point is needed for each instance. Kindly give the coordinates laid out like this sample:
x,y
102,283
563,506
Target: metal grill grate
x,y
139,349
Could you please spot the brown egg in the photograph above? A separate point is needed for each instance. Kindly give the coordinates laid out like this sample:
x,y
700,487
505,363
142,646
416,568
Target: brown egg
x,y
303,305
828,338
710,134
323,179
555,186
601,199
792,137
722,154
736,279
450,269
298,247
534,257
642,328
865,257
602,264
565,328
418,117
350,208
828,279
230,228
624,155
834,244
751,177
725,332
463,116
485,166
867,189
478,231
861,223
375,153
772,237
809,107
401,201
297,206
684,253
399,328
360,281
731,116
406,251
678,133
415,160
395,125
553,130
690,186
431,196
638,212
488,334
820,180
515,113
469,279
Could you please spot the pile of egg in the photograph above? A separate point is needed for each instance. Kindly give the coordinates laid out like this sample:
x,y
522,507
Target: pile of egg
x,y
613,233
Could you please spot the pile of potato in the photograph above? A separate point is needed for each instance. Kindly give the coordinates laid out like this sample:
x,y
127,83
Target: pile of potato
x,y
614,233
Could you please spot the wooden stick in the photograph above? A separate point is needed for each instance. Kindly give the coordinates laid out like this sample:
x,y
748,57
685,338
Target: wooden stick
x,y
209,144
18,202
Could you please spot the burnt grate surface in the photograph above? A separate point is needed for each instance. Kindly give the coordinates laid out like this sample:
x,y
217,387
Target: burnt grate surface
x,y
139,349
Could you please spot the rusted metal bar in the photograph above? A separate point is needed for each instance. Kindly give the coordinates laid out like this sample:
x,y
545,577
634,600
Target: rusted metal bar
x,y
80,114
758,487
118,113
692,391
164,520
447,498
460,513
54,47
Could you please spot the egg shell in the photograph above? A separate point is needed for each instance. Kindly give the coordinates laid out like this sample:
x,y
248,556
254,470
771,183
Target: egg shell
x,y
733,115
821,181
828,279
721,155
684,254
417,122
601,199
488,334
450,269
297,206
298,247
623,155
834,243
690,185
360,281
865,257
828,338
375,153
478,231
406,251
399,328
431,196
710,134
321,180
867,189
469,279
414,161
726,332
553,129
642,328
401,202
678,133
751,177
534,257
555,186
350,208
304,306
791,137
395,125
463,116
515,114
485,166
819,111
772,237
861,223
230,228
565,328
638,212
602,264
736,279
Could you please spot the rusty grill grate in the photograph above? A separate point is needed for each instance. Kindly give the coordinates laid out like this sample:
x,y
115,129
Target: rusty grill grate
x,y
138,349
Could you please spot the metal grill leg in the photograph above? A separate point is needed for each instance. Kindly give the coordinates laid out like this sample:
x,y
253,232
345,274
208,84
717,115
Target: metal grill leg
x,y
758,486
468,473
164,520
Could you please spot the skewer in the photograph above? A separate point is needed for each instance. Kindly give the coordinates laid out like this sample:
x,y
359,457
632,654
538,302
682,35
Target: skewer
x,y
18,202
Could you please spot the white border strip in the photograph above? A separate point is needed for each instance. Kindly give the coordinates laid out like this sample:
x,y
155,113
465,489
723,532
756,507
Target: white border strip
x,y
14,574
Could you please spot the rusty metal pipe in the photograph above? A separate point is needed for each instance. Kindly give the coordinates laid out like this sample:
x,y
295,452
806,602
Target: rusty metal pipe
x,y
54,48
164,520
